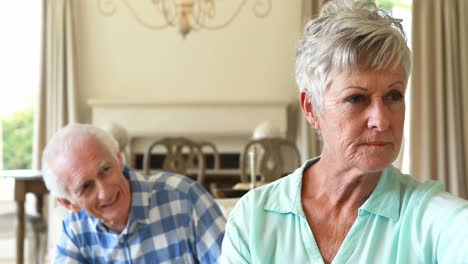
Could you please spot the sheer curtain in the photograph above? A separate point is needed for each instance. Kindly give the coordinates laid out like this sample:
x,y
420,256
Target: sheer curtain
x,y
439,112
307,140
57,92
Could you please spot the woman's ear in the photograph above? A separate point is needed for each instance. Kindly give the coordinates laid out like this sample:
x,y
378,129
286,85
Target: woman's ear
x,y
69,205
308,109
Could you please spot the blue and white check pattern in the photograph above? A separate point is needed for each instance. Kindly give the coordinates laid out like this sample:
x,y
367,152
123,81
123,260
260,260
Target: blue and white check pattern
x,y
172,220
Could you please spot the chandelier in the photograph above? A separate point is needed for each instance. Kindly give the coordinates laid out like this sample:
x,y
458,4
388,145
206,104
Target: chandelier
x,y
187,15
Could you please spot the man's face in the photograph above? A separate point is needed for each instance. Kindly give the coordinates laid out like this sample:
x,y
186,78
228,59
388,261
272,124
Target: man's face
x,y
95,182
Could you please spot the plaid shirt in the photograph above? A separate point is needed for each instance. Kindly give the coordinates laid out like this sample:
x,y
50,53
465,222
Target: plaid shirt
x,y
172,220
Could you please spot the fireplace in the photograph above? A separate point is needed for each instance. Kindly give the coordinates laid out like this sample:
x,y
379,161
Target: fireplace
x,y
228,161
229,125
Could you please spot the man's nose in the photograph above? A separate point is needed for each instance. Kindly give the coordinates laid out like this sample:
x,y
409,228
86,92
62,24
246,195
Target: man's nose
x,y
378,118
104,191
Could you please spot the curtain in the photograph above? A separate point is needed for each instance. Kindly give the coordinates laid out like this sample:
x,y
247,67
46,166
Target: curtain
x,y
307,140
56,106
439,113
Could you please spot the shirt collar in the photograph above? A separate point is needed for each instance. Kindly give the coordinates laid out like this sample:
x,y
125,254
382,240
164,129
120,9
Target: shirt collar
x,y
139,211
384,200
287,198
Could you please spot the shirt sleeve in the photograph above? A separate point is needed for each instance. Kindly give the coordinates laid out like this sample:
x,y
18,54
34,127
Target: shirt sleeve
x,y
235,247
209,224
67,251
452,246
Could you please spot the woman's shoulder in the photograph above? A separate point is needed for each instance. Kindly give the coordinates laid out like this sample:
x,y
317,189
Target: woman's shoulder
x,y
413,188
427,200
279,196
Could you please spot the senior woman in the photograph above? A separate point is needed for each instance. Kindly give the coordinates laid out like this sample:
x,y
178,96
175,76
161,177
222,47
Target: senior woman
x,y
350,205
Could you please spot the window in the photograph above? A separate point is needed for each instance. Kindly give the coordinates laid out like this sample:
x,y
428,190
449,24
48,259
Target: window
x,y
20,24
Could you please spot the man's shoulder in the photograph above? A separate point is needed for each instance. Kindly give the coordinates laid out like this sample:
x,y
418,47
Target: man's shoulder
x,y
163,182
79,222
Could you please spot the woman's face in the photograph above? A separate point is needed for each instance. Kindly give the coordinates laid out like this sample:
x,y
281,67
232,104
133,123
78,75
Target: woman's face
x,y
362,118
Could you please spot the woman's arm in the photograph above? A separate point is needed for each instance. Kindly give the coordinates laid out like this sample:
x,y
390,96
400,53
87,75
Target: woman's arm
x,y
452,246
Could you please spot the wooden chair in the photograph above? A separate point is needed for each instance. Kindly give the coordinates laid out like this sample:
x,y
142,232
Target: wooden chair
x,y
181,155
272,157
210,148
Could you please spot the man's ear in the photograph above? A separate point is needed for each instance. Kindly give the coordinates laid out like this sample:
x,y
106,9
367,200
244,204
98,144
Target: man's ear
x,y
69,205
308,110
121,160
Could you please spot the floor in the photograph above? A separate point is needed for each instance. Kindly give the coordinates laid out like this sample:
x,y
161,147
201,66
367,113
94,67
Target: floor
x,y
8,251
8,246
8,225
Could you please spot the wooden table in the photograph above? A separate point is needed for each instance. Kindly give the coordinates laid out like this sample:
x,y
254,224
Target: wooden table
x,y
26,181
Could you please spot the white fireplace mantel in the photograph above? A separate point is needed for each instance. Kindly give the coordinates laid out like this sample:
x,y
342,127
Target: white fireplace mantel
x,y
227,124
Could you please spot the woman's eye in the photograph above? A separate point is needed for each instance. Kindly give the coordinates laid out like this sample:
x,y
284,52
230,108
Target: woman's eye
x,y
395,96
355,99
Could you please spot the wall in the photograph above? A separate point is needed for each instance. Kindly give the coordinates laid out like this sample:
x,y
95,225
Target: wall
x,y
252,59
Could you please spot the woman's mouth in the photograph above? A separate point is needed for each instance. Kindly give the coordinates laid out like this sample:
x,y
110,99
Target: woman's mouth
x,y
377,144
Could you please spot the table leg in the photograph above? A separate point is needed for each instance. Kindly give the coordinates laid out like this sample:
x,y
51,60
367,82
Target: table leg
x,y
20,233
40,204
20,197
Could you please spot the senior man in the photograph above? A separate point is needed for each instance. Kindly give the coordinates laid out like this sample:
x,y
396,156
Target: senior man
x,y
119,216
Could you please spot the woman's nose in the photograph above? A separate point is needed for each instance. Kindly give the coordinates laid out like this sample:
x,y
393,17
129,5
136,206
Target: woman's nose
x,y
378,118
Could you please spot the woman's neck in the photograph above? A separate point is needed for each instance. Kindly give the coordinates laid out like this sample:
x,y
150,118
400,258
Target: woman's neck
x,y
338,187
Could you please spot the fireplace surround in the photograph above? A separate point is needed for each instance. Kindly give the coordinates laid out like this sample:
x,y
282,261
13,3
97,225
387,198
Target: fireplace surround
x,y
229,125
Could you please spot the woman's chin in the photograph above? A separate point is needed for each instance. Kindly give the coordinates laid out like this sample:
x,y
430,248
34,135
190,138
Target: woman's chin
x,y
376,164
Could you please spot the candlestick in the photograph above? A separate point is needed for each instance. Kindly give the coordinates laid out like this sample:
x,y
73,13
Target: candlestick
x,y
252,169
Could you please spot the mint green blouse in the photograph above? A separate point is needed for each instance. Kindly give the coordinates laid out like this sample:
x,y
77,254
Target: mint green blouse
x,y
402,221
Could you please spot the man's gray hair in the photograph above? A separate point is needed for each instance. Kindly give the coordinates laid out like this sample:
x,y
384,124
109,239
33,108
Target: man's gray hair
x,y
348,36
67,140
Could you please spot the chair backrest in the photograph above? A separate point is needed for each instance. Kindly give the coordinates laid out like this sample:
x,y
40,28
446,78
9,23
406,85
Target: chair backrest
x,y
181,155
272,155
210,148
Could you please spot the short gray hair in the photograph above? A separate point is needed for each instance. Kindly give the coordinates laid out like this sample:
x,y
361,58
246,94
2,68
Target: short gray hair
x,y
66,140
348,35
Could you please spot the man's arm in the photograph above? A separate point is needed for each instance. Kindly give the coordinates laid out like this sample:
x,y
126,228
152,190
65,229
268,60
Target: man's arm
x,y
209,224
